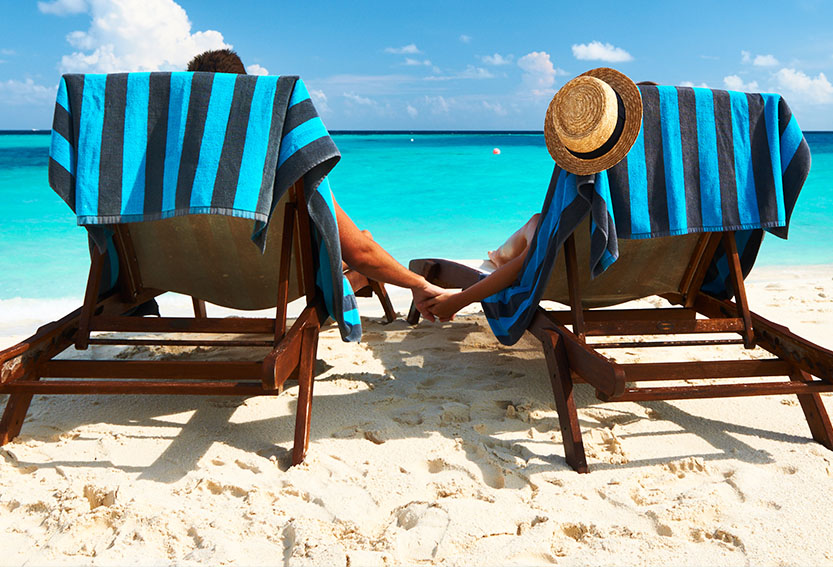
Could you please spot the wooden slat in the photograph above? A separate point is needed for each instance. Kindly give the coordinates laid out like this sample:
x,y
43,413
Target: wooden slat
x,y
94,387
775,338
705,369
594,368
718,391
603,315
653,344
183,325
181,342
152,369
659,327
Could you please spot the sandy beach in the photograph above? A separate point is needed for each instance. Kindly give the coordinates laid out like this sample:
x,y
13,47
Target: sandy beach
x,y
430,445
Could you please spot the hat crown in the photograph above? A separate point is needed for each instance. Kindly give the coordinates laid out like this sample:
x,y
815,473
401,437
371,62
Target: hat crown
x,y
586,112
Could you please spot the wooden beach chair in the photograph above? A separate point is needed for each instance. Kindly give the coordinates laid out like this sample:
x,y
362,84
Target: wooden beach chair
x,y
675,268
571,358
210,257
200,256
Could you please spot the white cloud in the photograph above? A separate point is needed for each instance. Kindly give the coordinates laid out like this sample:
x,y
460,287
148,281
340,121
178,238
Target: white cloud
x,y
812,89
598,51
63,7
358,99
472,72
412,112
691,84
768,60
765,61
539,73
319,99
14,92
134,35
735,83
438,104
465,38
8,52
410,49
495,108
496,59
411,62
255,69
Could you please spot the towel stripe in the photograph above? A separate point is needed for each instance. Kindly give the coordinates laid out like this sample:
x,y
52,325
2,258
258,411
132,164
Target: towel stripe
x,y
672,151
638,187
157,127
135,144
226,181
216,124
272,184
690,156
711,211
298,114
621,200
744,176
726,165
112,158
252,174
175,139
89,136
194,129
655,161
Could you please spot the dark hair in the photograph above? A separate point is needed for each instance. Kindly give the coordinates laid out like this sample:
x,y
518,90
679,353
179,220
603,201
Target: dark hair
x,y
217,61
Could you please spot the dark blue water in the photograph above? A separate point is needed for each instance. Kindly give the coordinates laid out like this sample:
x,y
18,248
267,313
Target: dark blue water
x,y
420,194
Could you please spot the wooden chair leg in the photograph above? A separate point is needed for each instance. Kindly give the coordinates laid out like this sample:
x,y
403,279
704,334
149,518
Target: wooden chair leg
x,y
382,294
815,412
13,416
562,389
199,308
306,372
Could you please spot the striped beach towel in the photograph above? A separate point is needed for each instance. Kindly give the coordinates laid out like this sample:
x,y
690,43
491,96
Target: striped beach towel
x,y
705,160
133,147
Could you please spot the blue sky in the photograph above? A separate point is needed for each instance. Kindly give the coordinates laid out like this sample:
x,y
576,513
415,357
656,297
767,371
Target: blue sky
x,y
427,65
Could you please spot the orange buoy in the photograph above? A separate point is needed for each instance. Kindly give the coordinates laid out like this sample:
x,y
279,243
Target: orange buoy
x,y
496,151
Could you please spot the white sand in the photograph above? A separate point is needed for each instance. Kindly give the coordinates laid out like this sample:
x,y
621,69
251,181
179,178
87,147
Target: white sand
x,y
432,445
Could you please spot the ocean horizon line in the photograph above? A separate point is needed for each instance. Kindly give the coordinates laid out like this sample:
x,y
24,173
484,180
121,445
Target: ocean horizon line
x,y
359,132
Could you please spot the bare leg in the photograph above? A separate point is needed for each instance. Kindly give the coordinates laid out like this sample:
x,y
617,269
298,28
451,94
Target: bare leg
x,y
515,244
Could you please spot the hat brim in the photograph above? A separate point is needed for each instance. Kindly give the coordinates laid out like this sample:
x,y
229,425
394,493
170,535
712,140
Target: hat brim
x,y
632,101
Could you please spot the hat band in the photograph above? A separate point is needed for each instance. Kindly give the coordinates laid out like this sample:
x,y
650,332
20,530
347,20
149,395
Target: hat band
x,y
614,136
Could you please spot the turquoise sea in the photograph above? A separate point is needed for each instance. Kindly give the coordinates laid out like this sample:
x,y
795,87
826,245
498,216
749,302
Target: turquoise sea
x,y
420,194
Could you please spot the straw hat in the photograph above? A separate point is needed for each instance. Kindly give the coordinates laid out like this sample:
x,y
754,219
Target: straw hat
x,y
593,121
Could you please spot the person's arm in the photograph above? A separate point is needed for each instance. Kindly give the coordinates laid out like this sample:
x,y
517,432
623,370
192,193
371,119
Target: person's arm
x,y
446,305
367,257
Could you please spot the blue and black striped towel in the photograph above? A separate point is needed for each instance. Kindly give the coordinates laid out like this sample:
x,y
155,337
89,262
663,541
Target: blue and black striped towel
x,y
134,147
705,160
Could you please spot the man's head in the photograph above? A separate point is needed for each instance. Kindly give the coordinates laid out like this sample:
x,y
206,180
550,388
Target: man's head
x,y
217,61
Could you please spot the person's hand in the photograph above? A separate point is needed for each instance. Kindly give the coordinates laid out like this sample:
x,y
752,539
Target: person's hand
x,y
444,306
424,293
